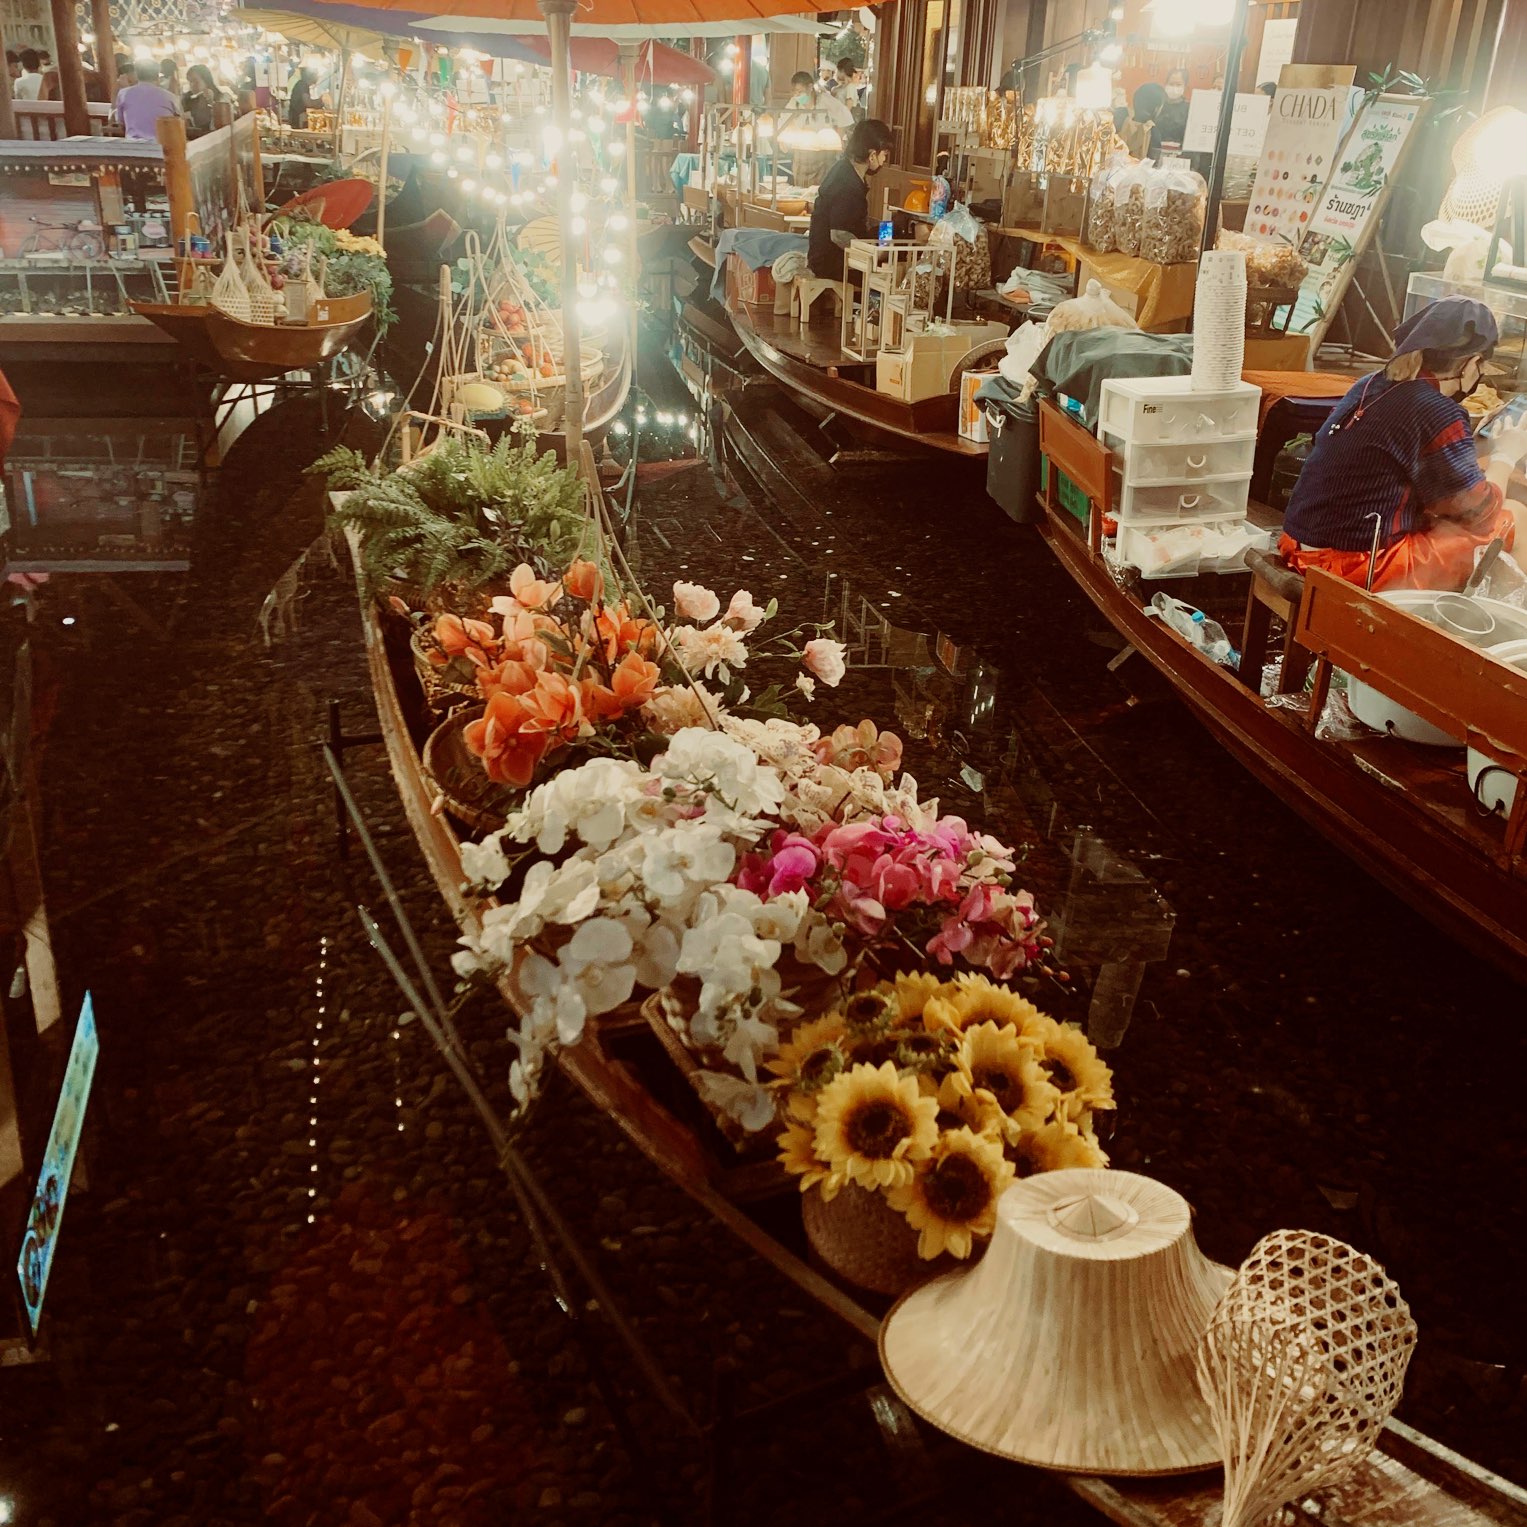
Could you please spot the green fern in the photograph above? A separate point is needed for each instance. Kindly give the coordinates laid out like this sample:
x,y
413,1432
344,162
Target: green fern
x,y
462,518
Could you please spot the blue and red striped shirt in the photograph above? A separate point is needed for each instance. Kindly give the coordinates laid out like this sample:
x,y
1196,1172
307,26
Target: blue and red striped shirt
x,y
1400,450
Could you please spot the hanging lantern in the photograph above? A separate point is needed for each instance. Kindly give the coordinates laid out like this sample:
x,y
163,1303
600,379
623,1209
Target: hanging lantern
x,y
405,56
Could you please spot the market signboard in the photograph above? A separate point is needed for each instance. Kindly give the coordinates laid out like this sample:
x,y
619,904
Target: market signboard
x,y
1347,215
1304,127
47,1212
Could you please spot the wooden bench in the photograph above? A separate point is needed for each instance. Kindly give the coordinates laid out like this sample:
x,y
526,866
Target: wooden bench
x,y
1275,590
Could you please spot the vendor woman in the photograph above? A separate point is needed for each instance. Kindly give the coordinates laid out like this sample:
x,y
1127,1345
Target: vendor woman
x,y
1397,456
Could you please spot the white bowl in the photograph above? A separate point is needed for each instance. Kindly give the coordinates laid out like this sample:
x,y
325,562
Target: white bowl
x,y
1496,790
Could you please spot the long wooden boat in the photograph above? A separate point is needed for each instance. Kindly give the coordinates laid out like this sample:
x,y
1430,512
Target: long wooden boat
x,y
1409,1480
1402,811
812,366
256,352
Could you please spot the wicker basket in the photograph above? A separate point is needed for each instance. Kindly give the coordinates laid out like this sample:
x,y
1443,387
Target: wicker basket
x,y
864,1240
441,693
457,773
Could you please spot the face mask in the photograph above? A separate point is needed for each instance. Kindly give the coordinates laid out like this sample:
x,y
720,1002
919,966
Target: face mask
x,y
1465,382
1174,92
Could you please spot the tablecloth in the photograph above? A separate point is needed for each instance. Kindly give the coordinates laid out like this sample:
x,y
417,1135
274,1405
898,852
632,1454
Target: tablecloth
x,y
757,247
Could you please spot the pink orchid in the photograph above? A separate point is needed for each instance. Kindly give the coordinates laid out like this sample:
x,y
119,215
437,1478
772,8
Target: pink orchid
x,y
795,861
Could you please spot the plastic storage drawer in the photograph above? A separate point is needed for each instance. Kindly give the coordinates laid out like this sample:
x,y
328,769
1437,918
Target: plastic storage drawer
x,y
1165,409
1156,504
1146,462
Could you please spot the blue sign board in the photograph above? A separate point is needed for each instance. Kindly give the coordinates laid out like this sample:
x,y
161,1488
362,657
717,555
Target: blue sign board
x,y
58,1166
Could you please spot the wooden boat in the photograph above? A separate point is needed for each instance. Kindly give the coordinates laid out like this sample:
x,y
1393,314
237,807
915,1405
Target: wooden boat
x,y
1402,811
828,383
256,352
1409,1481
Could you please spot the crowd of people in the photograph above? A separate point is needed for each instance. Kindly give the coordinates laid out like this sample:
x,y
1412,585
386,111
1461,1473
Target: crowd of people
x,y
147,89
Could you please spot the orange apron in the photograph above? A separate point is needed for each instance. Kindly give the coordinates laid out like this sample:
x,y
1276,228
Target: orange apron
x,y
1439,557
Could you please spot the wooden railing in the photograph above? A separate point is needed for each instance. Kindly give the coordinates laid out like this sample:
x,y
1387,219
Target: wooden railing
x,y
43,121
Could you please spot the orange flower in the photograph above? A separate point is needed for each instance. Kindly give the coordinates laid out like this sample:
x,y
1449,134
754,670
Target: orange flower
x,y
617,632
554,705
599,702
634,681
512,677
530,593
523,628
455,637
509,753
583,580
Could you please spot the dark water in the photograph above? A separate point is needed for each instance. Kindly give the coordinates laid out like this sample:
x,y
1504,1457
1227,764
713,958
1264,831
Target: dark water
x,y
259,1317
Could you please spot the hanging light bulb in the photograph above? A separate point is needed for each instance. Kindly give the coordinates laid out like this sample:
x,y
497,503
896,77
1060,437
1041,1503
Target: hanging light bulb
x,y
578,201
611,255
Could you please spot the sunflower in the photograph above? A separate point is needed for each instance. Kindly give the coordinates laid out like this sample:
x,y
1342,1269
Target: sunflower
x,y
998,1062
1073,1065
798,1155
870,1012
918,1050
871,1125
953,1195
974,999
914,990
812,1056
1053,1146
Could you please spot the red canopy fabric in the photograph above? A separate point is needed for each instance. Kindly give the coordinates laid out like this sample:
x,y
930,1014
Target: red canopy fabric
x,y
10,415
668,16
656,62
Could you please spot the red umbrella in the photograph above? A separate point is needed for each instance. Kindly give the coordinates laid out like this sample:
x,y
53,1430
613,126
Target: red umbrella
x,y
10,413
338,202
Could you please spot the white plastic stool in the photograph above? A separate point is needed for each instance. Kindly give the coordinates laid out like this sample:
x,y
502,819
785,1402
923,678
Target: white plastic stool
x,y
784,297
808,289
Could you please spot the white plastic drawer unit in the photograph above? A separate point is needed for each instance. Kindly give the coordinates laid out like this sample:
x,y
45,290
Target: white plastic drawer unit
x,y
1192,461
1164,410
1156,504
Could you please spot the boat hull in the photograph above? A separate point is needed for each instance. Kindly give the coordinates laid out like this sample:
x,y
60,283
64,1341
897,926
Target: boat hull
x,y
252,352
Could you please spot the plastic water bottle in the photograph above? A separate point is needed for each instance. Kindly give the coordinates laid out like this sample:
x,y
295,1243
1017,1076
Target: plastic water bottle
x,y
1205,634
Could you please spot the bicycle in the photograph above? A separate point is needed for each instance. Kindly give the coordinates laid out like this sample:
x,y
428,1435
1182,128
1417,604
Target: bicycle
x,y
76,238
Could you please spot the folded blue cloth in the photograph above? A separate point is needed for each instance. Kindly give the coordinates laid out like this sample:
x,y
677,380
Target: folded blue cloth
x,y
757,247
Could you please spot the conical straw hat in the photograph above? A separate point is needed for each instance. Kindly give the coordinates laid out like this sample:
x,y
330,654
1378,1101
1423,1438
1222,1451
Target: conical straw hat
x,y
1071,1344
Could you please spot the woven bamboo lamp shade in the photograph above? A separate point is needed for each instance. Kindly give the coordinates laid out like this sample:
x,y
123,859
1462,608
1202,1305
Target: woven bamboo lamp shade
x,y
1071,1344
1302,1364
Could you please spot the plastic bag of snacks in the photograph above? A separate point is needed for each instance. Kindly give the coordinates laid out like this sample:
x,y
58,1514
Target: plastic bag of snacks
x,y
1094,309
1173,224
1275,264
961,230
1099,230
1129,206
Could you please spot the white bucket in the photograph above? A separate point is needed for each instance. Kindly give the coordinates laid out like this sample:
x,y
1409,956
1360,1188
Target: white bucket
x,y
1493,784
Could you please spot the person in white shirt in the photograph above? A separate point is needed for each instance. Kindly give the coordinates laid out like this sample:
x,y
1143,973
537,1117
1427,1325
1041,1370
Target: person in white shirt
x,y
806,96
28,86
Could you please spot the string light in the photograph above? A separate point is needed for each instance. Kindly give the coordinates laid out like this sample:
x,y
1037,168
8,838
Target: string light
x,y
321,1003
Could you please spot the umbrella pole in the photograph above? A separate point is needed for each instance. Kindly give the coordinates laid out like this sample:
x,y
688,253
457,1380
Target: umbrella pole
x,y
381,183
628,60
339,104
558,14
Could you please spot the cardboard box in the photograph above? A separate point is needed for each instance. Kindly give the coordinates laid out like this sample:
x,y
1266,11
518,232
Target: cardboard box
x,y
752,287
1023,202
921,369
972,414
1065,204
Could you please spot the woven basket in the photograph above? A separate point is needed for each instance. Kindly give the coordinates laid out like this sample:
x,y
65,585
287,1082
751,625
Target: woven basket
x,y
457,773
229,294
441,693
864,1240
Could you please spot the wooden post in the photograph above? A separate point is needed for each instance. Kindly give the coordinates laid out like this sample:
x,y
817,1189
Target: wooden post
x,y
105,45
7,112
559,15
339,104
71,72
171,132
628,75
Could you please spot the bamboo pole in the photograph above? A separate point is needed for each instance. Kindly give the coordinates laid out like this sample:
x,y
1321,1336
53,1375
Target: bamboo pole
x,y
339,103
558,14
628,65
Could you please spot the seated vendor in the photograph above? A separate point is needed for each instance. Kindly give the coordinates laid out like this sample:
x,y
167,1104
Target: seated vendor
x,y
842,206
1399,450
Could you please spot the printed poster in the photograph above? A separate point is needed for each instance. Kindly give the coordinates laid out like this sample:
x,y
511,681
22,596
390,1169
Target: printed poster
x,y
1304,127
1348,212
1277,49
1248,123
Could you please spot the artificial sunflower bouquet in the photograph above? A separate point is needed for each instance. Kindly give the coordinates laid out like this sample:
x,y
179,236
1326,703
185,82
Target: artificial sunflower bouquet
x,y
936,1095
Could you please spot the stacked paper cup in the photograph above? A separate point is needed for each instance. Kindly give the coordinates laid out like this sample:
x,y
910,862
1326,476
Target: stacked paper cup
x,y
1219,320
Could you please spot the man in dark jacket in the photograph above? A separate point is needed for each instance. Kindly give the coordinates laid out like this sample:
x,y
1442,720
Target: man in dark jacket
x,y
843,199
